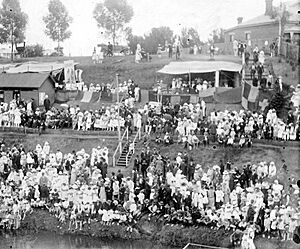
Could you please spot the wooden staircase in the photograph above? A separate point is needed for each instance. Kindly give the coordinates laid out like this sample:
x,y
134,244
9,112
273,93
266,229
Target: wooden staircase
x,y
247,70
126,154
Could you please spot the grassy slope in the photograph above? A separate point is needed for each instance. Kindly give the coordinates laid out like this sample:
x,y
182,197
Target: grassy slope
x,y
285,70
206,156
143,73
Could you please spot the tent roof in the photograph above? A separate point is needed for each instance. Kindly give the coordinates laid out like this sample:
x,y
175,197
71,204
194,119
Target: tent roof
x,y
186,67
36,67
23,80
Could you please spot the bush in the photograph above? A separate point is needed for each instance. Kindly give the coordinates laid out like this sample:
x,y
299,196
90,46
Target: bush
x,y
34,50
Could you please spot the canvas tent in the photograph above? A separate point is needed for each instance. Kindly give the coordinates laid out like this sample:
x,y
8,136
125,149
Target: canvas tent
x,y
37,67
190,67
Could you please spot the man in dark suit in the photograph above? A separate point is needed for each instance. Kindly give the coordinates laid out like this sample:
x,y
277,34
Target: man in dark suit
x,y
47,103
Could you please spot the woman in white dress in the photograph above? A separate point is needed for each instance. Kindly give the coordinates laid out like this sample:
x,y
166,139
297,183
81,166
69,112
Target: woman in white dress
x,y
17,120
88,121
138,55
261,57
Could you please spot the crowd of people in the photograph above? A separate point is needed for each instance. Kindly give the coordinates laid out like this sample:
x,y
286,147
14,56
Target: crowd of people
x,y
20,113
179,85
77,189
191,125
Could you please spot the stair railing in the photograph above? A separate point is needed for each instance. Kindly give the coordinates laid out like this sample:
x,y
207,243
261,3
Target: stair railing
x,y
131,148
118,149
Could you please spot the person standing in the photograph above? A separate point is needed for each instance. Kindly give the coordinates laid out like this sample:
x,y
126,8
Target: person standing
x,y
235,47
159,51
195,49
138,55
170,48
109,49
260,70
47,103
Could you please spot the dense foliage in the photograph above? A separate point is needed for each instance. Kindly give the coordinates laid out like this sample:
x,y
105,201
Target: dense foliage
x,y
36,50
112,15
57,22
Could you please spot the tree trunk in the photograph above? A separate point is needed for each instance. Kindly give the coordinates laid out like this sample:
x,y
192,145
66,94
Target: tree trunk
x,y
114,36
12,50
12,42
280,37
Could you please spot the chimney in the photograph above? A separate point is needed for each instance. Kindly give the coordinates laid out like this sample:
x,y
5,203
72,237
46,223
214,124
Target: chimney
x,y
269,8
240,20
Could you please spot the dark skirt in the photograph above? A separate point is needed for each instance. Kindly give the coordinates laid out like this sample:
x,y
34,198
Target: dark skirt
x,y
44,192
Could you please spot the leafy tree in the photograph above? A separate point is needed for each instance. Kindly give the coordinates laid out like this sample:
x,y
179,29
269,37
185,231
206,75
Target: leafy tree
x,y
217,36
12,23
34,50
190,37
157,36
112,15
57,22
133,40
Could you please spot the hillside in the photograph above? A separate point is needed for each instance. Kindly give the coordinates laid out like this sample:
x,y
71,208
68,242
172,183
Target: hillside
x,y
143,73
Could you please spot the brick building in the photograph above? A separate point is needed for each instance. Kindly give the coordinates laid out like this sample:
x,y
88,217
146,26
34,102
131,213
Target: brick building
x,y
28,86
264,27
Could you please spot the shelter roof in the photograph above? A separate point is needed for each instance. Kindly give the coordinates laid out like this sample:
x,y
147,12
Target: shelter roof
x,y
36,67
23,80
185,67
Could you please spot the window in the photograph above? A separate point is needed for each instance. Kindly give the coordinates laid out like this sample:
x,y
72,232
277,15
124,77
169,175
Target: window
x,y
16,94
231,37
1,96
247,36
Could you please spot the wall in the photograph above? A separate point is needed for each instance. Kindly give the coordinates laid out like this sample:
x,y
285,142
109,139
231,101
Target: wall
x,y
48,88
8,95
258,35
26,94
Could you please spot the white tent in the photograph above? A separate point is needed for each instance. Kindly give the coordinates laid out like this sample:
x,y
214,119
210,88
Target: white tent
x,y
36,67
189,67
186,67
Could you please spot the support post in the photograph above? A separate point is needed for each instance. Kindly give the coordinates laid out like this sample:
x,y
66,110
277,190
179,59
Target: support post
x,y
118,103
217,79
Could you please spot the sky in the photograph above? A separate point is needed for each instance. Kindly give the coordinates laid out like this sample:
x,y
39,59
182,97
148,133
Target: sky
x,y
203,15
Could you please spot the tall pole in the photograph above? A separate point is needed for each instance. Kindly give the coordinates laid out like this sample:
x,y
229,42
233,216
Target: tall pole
x,y
12,41
280,24
118,103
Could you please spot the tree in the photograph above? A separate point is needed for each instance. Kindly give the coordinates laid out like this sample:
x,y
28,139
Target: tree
x,y
12,23
190,37
34,50
57,22
112,15
157,36
217,36
133,40
282,15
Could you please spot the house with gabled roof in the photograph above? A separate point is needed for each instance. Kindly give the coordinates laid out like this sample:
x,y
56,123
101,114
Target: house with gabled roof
x,y
27,86
265,27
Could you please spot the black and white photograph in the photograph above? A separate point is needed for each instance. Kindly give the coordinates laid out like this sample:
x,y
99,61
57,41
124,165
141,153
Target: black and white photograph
x,y
149,124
